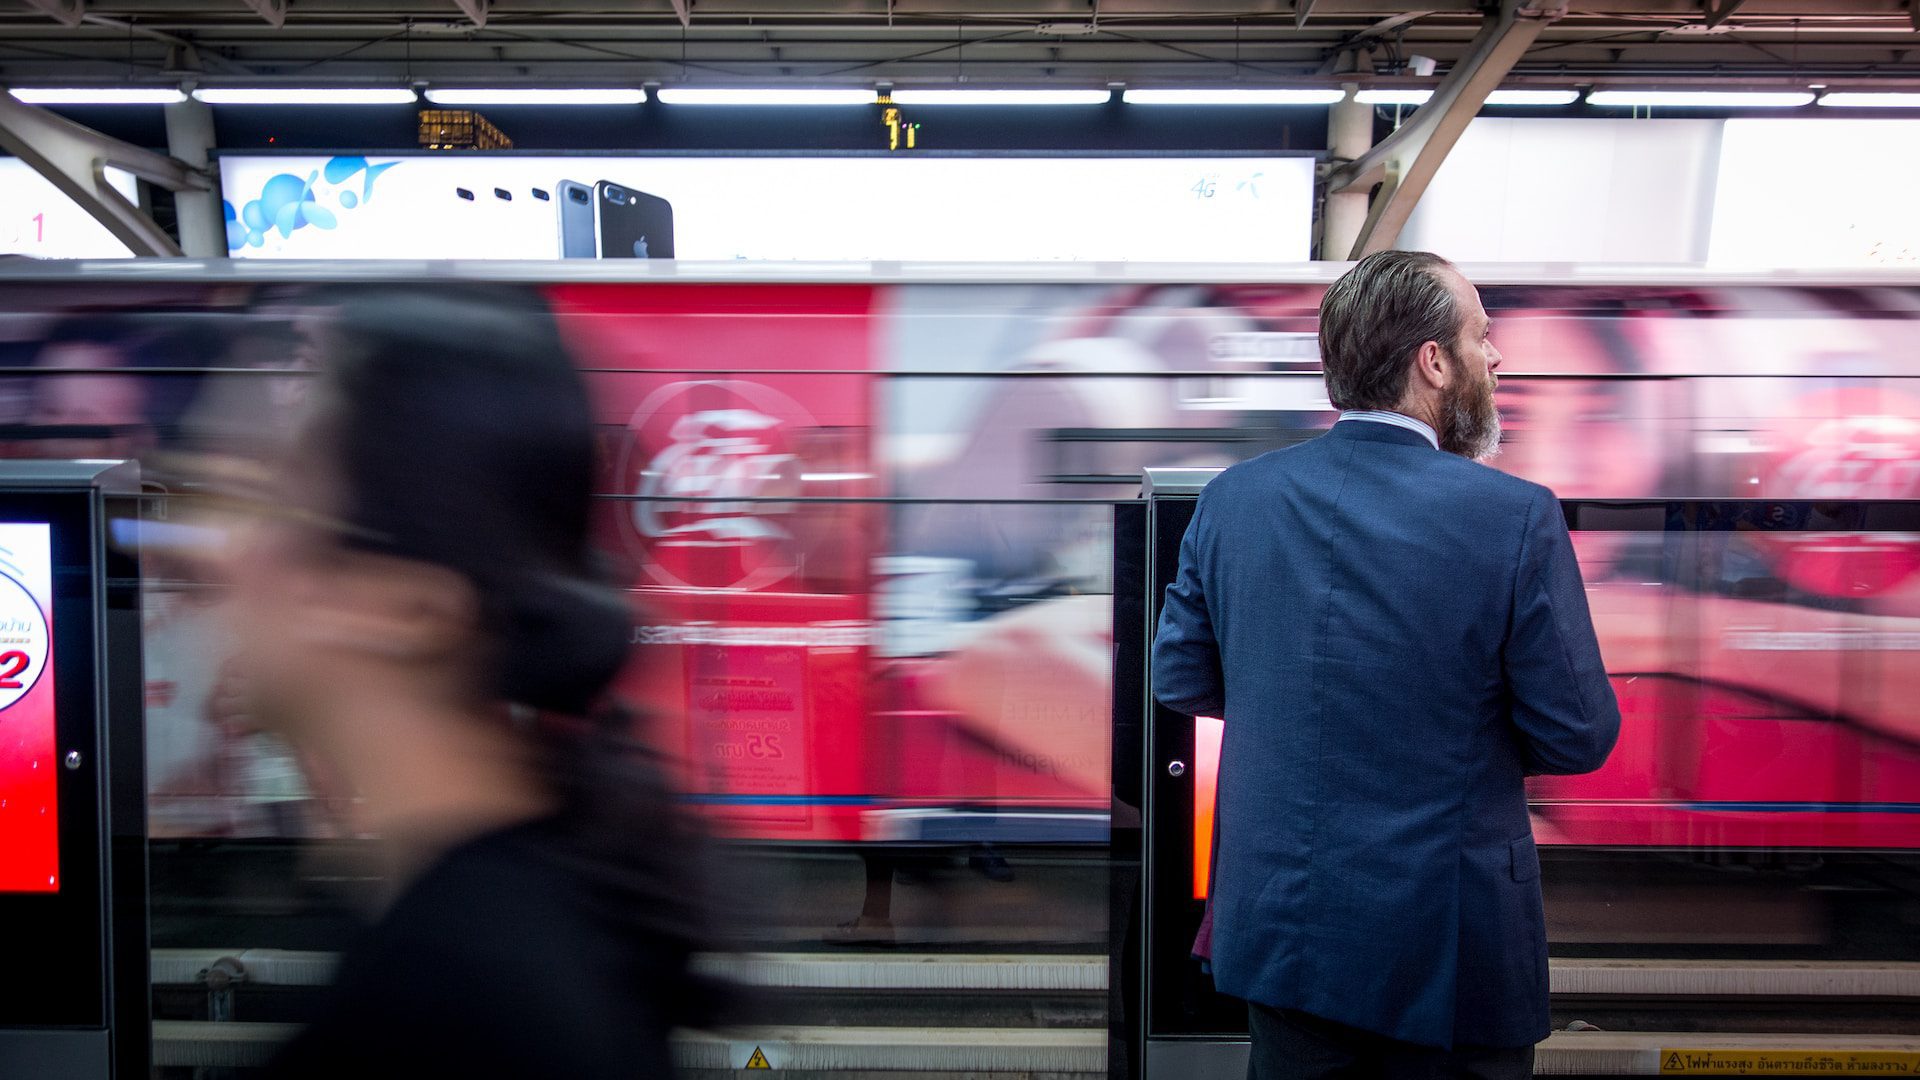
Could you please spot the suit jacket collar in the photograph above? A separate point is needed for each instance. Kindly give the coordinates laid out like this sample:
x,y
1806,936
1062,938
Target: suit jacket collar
x,y
1369,431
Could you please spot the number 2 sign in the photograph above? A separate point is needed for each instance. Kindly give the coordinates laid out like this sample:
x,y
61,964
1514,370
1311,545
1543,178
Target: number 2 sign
x,y
23,641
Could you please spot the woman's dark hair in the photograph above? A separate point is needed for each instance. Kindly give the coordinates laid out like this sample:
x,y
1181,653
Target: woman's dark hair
x,y
1375,317
463,437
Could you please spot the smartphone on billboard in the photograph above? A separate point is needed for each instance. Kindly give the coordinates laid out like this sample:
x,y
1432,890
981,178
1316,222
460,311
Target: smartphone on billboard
x,y
575,210
632,224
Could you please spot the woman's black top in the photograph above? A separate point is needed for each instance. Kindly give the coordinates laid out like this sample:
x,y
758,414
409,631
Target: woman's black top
x,y
509,957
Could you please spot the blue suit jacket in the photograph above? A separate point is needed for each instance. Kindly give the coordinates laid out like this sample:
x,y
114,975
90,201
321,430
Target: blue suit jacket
x,y
1395,637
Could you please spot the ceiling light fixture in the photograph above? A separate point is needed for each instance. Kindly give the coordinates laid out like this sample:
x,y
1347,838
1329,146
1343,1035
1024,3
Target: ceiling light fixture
x,y
1701,99
1393,97
294,95
1173,96
699,95
1002,97
97,95
537,96
1847,99
1533,97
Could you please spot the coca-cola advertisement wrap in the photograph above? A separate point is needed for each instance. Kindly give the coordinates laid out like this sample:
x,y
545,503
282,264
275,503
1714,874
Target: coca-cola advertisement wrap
x,y
750,588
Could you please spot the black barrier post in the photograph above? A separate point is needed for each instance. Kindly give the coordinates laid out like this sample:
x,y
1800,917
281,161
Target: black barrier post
x,y
73,870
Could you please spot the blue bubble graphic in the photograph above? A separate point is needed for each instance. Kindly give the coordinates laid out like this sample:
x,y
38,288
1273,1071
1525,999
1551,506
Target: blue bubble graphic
x,y
280,191
312,213
232,215
256,239
373,173
236,235
255,216
339,168
349,200
288,219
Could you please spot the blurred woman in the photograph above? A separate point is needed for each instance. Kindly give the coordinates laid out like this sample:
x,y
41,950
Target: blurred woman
x,y
422,617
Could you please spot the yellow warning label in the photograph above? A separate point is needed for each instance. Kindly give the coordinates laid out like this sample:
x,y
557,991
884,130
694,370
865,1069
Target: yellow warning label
x,y
1788,1063
758,1060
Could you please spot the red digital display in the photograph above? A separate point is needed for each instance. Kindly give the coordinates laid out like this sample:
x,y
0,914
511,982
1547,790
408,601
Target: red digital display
x,y
1207,733
29,763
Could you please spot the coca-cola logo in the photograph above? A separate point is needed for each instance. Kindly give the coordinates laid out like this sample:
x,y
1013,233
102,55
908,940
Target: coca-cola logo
x,y
710,463
1846,445
1853,457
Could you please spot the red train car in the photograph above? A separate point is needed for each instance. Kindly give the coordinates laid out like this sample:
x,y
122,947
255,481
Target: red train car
x,y
868,522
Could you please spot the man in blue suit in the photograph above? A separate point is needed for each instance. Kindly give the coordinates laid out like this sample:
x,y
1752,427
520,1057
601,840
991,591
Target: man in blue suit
x,y
1396,636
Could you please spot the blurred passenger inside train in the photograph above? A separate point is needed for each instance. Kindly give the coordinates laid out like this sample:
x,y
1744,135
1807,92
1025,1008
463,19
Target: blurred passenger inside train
x,y
1096,397
421,614
121,384
96,394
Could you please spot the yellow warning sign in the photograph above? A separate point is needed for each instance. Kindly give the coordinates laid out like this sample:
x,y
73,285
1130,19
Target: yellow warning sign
x,y
1788,1063
758,1060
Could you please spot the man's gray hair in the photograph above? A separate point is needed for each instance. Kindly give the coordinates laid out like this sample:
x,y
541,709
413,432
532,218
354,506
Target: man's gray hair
x,y
1375,317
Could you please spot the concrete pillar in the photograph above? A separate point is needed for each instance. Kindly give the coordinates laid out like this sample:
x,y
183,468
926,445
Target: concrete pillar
x,y
203,225
1349,135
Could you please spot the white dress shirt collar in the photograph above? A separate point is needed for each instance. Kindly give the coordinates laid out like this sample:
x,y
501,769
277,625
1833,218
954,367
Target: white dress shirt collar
x,y
1381,416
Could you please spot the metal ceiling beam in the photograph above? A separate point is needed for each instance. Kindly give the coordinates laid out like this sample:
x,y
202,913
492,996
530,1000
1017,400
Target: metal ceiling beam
x,y
272,12
797,41
876,12
1405,162
1718,12
75,160
684,9
64,12
475,10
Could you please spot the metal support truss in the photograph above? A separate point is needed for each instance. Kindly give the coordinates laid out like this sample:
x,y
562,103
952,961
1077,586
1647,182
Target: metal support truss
x,y
64,12
475,10
76,160
1404,163
273,12
684,9
1720,11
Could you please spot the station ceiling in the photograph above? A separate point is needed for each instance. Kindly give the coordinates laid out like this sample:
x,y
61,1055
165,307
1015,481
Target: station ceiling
x,y
937,42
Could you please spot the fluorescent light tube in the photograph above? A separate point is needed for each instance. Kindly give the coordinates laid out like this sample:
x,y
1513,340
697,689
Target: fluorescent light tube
x,y
1170,96
1002,97
293,95
1533,97
1855,100
97,95
537,96
1702,99
1393,97
695,95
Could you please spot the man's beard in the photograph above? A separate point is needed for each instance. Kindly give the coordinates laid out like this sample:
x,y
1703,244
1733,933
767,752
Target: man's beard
x,y
1470,421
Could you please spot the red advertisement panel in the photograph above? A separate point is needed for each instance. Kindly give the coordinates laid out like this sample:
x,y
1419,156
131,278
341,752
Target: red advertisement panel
x,y
731,417
29,809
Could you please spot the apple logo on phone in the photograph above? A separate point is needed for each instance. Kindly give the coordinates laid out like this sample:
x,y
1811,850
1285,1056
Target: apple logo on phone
x,y
640,248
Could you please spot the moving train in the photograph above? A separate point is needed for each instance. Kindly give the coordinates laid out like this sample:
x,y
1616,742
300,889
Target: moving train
x,y
868,521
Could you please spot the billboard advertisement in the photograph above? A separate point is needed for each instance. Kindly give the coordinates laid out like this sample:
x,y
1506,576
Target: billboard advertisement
x,y
37,219
1771,166
849,208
